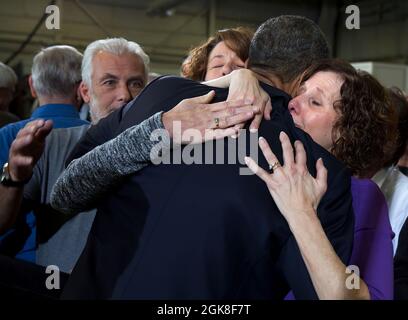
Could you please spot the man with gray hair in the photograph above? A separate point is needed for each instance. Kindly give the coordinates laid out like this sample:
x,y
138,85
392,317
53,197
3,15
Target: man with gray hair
x,y
8,81
117,71
54,81
114,71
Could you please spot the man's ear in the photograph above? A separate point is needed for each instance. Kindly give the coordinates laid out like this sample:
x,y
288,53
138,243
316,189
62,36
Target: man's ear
x,y
78,97
85,92
30,84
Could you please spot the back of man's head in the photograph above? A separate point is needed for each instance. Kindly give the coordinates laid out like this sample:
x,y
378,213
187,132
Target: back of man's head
x,y
286,45
8,81
56,71
8,78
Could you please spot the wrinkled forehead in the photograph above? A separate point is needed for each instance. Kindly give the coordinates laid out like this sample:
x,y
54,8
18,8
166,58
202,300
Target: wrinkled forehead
x,y
123,65
327,82
221,50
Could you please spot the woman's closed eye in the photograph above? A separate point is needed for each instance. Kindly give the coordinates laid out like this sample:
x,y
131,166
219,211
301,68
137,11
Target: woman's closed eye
x,y
316,103
217,66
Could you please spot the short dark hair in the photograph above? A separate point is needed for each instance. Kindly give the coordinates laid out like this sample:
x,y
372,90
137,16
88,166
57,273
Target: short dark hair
x,y
286,46
400,103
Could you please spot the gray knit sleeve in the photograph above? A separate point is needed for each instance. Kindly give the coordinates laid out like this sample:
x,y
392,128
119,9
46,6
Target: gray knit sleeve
x,y
88,178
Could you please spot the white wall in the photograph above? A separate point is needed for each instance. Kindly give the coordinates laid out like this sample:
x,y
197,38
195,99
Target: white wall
x,y
388,74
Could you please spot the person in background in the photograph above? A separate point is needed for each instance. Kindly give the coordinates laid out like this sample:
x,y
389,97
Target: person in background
x,y
222,53
8,81
401,265
127,64
113,72
395,187
54,81
105,91
403,162
391,181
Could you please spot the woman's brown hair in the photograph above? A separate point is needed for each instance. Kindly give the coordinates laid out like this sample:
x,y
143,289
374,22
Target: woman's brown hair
x,y
400,103
237,39
365,132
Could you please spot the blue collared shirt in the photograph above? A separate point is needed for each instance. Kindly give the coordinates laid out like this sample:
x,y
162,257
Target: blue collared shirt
x,y
63,116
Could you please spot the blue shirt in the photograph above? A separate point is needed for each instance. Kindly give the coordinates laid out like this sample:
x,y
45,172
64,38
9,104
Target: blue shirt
x,y
63,116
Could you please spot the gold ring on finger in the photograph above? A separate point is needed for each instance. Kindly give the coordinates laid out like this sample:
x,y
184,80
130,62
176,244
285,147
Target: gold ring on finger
x,y
274,166
217,122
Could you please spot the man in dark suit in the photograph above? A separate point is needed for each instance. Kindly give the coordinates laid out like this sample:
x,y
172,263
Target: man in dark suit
x,y
401,265
203,231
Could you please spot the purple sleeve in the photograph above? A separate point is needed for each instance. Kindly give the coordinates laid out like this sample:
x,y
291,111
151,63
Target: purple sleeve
x,y
372,249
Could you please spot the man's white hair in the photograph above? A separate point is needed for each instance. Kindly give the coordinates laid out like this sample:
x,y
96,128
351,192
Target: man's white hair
x,y
8,78
56,71
116,46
